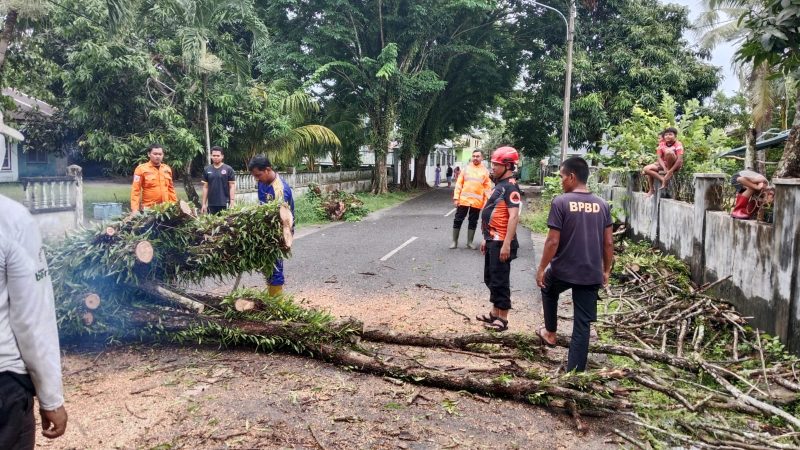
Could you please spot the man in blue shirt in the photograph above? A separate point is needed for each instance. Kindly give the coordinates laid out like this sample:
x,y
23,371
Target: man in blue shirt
x,y
272,187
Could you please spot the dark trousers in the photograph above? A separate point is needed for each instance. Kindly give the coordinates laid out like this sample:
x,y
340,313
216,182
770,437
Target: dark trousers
x,y
497,274
584,305
17,424
216,209
461,213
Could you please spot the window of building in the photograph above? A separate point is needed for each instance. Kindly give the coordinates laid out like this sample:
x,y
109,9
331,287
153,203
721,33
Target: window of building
x,y
36,156
7,159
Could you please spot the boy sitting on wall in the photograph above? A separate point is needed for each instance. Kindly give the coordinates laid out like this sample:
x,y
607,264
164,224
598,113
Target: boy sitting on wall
x,y
752,192
670,160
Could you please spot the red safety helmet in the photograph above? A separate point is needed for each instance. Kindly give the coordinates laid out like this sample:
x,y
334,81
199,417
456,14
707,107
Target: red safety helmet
x,y
505,155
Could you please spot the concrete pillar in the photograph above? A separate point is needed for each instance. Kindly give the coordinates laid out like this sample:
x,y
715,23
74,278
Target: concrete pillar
x,y
786,261
76,172
707,197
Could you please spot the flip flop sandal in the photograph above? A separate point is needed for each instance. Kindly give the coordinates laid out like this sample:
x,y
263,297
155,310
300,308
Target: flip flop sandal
x,y
541,336
498,325
484,318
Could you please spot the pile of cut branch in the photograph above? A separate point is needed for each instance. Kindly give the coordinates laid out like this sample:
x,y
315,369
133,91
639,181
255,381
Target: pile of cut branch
x,y
713,381
681,367
100,272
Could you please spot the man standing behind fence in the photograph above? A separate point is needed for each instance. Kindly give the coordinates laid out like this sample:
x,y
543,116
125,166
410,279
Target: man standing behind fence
x,y
579,251
469,196
219,183
272,187
152,181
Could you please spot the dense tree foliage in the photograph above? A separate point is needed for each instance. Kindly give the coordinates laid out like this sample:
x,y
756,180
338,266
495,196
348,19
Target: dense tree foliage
x,y
189,73
773,33
627,52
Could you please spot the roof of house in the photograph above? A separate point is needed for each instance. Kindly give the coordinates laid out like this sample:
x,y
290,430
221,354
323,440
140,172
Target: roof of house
x,y
770,138
26,104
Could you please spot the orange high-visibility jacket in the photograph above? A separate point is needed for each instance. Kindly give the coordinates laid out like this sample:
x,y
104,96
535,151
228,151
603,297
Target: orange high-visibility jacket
x,y
152,185
473,186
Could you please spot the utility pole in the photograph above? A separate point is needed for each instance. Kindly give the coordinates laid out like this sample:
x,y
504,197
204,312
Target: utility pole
x,y
568,80
570,24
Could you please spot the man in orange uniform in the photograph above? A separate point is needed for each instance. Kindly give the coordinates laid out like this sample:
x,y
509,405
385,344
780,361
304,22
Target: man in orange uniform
x,y
469,196
152,182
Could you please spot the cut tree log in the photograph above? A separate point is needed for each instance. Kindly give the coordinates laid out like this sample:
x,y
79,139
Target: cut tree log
x,y
87,318
186,209
110,231
171,296
92,301
286,222
243,304
144,252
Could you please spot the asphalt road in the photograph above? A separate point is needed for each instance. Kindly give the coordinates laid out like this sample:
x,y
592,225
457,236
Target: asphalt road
x,y
395,269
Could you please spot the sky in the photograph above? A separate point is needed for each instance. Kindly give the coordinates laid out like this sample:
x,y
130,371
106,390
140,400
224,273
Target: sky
x,y
722,55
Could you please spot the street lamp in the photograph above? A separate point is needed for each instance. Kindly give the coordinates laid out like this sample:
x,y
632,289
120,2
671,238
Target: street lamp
x,y
570,24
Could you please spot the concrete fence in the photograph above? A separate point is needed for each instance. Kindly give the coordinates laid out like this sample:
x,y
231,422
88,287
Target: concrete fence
x,y
762,260
347,180
56,203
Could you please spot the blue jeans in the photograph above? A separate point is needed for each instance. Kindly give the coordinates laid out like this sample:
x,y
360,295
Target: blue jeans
x,y
584,305
276,279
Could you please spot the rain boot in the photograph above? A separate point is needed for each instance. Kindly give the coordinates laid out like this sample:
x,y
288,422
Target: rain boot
x,y
470,237
275,290
456,232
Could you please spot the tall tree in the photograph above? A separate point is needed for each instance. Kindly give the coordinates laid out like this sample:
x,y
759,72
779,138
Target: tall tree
x,y
148,82
627,52
477,62
373,52
772,36
720,22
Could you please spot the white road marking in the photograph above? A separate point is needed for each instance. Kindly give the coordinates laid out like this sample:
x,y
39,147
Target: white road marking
x,y
391,253
451,212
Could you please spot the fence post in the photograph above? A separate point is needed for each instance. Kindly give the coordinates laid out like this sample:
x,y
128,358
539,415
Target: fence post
x,y
76,172
707,197
786,260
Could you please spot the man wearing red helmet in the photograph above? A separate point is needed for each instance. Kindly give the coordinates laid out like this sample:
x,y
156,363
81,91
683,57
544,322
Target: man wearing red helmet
x,y
499,220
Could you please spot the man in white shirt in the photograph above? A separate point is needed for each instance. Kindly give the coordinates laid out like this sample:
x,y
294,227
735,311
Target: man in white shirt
x,y
30,362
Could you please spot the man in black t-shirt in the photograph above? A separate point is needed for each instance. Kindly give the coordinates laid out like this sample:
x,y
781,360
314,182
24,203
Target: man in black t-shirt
x,y
579,250
499,219
219,183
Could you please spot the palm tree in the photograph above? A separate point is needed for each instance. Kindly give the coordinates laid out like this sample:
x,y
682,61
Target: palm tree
x,y
289,139
720,23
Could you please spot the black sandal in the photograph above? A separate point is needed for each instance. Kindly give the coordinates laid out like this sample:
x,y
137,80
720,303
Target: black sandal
x,y
498,325
541,336
483,318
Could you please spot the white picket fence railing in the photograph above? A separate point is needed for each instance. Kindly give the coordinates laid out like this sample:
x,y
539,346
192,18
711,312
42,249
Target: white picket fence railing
x,y
46,194
246,183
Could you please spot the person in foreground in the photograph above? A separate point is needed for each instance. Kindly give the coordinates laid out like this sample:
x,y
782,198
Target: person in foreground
x,y
30,359
579,251
271,187
499,219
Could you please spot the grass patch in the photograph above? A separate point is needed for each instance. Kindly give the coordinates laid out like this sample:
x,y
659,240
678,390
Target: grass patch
x,y
535,217
305,213
93,192
306,209
377,202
